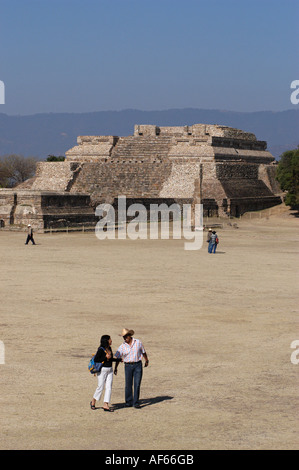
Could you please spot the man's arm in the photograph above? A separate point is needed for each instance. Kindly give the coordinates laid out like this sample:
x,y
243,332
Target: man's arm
x,y
146,359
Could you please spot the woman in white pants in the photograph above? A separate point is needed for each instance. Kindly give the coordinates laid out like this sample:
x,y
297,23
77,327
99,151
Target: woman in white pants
x,y
105,376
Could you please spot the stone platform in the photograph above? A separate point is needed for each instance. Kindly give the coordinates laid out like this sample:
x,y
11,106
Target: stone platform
x,y
226,169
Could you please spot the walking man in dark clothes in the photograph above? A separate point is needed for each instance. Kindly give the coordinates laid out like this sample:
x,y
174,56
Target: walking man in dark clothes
x,y
30,235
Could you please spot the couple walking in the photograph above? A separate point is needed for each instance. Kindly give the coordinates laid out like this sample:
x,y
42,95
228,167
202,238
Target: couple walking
x,y
131,352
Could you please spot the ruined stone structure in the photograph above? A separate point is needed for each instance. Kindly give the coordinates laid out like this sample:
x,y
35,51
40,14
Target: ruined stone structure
x,y
44,209
226,169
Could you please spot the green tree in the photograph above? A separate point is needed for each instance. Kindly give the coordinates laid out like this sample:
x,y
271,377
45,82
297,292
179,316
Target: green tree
x,y
53,158
288,176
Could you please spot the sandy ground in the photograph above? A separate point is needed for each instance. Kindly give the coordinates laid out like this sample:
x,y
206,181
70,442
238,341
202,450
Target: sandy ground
x,y
217,329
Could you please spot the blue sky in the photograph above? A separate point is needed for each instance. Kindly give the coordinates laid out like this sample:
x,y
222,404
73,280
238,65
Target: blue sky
x,y
99,55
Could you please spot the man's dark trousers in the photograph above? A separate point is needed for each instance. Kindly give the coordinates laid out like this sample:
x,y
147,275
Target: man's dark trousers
x,y
30,237
133,376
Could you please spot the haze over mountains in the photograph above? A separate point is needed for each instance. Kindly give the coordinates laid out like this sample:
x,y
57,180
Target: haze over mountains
x,y
46,134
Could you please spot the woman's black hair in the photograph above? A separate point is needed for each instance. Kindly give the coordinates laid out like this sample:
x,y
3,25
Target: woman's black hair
x,y
105,341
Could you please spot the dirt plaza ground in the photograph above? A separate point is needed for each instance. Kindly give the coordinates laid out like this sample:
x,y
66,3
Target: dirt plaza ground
x,y
217,330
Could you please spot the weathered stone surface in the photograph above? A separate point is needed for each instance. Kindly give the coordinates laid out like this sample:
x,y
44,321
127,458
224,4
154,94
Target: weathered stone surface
x,y
44,209
91,148
226,169
54,176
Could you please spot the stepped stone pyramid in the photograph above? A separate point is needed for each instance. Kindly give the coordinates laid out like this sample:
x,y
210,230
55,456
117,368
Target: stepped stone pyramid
x,y
227,170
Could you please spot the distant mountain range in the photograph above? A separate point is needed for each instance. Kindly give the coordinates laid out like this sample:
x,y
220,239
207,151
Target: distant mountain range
x,y
41,135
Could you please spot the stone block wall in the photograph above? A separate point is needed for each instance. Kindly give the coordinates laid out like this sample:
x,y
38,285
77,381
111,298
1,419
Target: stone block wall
x,y
66,210
54,176
43,209
180,181
7,206
267,173
21,208
133,178
92,148
240,205
236,171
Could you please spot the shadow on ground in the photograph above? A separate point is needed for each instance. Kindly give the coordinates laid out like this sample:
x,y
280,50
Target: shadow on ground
x,y
144,402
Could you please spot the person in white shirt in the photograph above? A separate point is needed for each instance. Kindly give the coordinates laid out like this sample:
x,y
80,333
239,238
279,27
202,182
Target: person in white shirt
x,y
131,351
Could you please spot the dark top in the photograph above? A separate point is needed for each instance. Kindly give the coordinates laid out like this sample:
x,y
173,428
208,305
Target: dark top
x,y
101,356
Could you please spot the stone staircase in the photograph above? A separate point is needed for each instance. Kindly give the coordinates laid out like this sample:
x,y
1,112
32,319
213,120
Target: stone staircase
x,y
238,188
138,147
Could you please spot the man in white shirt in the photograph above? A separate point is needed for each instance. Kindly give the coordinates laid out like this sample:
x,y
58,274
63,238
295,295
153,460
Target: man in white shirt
x,y
131,351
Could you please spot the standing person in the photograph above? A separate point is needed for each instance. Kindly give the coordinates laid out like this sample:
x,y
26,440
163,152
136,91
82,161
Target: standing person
x,y
30,235
131,351
209,236
214,242
105,376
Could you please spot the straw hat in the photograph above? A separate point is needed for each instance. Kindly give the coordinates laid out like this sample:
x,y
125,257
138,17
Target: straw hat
x,y
125,332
